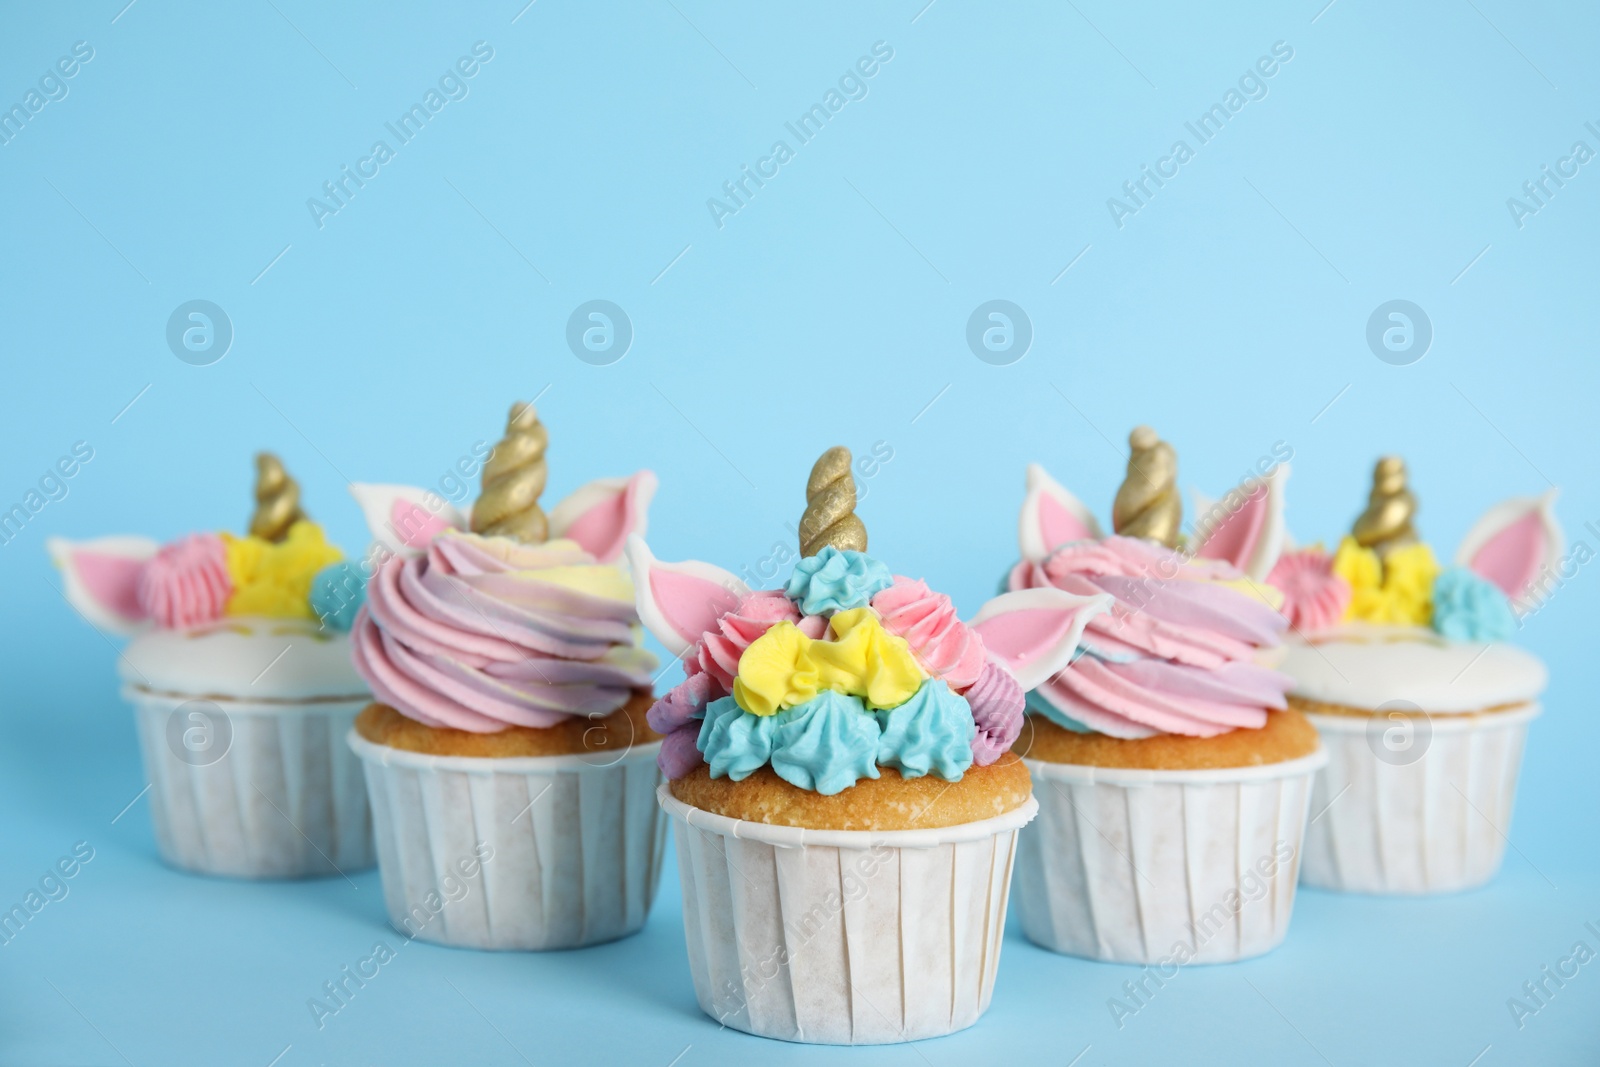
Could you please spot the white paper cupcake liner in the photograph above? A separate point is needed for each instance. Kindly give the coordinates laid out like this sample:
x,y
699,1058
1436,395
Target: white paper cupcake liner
x,y
843,936
1435,825
254,789
1152,867
568,850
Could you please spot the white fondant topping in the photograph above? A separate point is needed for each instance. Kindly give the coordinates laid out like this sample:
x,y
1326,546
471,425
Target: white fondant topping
x,y
1363,666
248,658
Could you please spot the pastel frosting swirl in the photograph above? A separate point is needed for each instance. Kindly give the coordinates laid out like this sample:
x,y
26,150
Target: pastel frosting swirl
x,y
1469,608
718,651
847,669
483,633
186,583
833,740
1314,597
944,645
997,705
837,580
1176,654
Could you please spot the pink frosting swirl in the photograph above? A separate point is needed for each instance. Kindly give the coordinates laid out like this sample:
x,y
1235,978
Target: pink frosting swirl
x,y
1314,598
470,636
719,650
944,645
997,706
1176,652
186,583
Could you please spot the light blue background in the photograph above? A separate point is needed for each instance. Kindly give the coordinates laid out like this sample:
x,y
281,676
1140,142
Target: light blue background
x,y
1229,313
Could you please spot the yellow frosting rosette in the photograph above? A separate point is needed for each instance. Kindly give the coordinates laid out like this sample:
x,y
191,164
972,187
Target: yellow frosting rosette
x,y
784,668
273,579
1397,589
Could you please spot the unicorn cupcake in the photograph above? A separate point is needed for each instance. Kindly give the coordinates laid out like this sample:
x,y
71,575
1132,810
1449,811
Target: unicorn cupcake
x,y
511,770
1404,667
239,673
1173,780
845,802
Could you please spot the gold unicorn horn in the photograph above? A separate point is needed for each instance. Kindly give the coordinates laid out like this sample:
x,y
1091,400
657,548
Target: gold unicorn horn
x,y
830,515
277,499
513,478
1147,505
1391,508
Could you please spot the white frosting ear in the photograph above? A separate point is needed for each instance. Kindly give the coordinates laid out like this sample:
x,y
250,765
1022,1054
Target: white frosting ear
x,y
678,602
1514,543
602,515
1251,535
101,579
1051,517
1034,633
404,518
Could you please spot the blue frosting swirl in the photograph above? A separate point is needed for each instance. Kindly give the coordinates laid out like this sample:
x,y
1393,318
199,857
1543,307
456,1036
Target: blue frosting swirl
x,y
930,733
837,580
826,744
734,742
337,593
832,741
1469,608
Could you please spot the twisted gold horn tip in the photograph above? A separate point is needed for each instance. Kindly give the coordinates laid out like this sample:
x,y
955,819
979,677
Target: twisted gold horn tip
x,y
1389,519
512,480
277,499
830,517
1147,505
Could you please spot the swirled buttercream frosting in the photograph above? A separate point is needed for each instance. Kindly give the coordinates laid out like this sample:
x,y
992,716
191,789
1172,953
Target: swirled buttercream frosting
x,y
1176,654
482,633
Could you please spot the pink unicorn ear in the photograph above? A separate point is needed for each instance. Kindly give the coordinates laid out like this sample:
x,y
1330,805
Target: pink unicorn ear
x,y
1051,517
678,602
601,515
403,518
1034,633
1244,529
1513,542
102,579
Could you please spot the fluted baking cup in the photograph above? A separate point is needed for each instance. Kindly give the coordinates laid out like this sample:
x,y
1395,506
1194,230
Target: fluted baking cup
x,y
1436,824
532,852
259,789
1163,867
843,936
